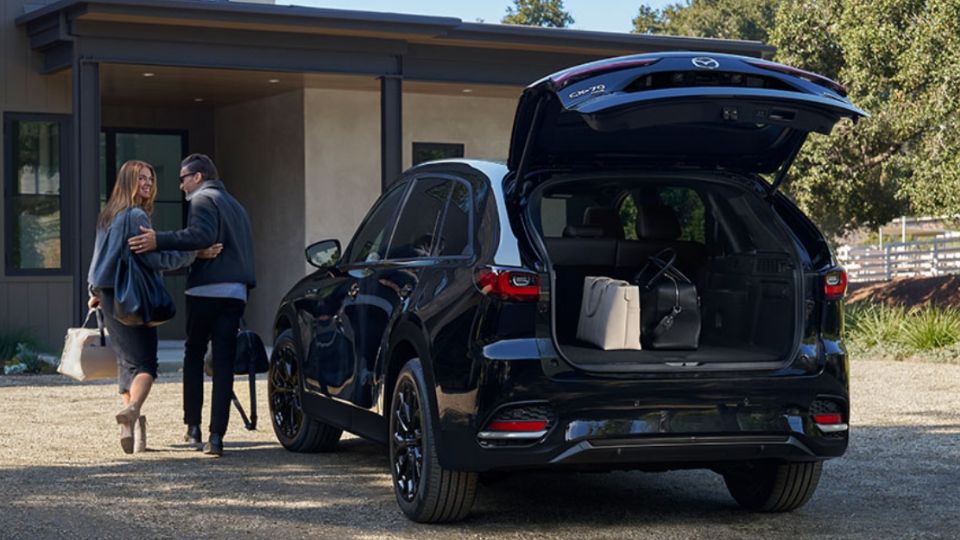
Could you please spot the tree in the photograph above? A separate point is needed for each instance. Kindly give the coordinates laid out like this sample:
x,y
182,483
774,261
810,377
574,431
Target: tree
x,y
727,19
538,13
900,61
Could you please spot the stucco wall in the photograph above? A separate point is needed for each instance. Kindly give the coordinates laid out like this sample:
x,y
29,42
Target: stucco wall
x,y
482,125
342,147
342,150
260,155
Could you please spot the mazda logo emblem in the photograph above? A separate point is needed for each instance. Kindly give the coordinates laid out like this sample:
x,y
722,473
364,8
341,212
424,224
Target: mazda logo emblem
x,y
705,62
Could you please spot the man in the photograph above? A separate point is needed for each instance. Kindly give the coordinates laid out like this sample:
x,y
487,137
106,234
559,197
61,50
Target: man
x,y
216,291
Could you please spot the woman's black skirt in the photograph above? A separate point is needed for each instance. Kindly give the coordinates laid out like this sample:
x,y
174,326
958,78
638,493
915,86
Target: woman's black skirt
x,y
136,346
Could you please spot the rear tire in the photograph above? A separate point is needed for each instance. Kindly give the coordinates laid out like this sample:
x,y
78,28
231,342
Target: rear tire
x,y
426,492
296,431
773,487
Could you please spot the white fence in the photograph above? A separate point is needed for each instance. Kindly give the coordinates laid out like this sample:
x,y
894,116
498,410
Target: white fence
x,y
925,258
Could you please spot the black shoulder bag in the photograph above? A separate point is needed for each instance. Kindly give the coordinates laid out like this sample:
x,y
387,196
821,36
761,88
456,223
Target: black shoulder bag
x,y
669,305
140,298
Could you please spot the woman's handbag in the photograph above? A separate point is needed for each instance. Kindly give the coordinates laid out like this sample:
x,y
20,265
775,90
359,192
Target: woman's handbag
x,y
87,355
671,308
610,314
140,298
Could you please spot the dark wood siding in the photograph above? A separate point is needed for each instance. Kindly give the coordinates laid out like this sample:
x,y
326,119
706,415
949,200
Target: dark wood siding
x,y
42,305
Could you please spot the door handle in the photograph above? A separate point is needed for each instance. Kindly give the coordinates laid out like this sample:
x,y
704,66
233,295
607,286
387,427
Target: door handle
x,y
354,289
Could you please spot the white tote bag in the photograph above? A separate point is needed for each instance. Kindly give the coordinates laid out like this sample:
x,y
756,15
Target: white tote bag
x,y
610,314
87,355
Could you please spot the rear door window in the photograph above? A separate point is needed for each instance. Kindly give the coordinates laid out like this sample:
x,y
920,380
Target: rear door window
x,y
457,227
414,236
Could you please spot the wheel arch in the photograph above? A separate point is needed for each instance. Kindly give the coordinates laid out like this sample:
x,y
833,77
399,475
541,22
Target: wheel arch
x,y
408,339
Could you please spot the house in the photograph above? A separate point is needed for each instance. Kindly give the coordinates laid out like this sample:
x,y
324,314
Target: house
x,y
308,113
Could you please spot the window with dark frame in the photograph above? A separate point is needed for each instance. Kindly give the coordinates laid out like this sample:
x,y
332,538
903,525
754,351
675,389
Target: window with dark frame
x,y
33,194
429,151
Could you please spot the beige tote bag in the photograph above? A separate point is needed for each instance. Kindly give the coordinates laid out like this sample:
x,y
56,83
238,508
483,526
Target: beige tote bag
x,y
610,314
87,355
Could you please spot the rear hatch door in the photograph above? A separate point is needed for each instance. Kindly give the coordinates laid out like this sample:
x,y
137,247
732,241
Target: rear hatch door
x,y
674,110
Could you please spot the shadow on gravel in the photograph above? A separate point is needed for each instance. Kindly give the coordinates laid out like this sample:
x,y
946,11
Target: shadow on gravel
x,y
893,479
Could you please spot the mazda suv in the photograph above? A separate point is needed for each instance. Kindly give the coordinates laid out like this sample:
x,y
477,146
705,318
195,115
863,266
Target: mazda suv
x,y
447,327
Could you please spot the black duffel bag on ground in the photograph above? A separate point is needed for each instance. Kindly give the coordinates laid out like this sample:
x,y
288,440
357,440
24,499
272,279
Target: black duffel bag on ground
x,y
251,358
669,305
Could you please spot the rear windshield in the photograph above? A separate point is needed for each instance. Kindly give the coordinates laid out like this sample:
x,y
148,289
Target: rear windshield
x,y
729,219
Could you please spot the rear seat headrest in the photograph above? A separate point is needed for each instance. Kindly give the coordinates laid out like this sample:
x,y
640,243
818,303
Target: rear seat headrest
x,y
582,231
657,222
606,218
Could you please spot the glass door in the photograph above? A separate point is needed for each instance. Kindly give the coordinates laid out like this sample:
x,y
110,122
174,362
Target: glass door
x,y
163,149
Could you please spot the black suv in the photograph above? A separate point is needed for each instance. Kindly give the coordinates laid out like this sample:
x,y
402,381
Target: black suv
x,y
447,328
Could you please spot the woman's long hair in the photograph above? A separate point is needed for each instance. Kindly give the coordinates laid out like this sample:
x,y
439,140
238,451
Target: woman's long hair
x,y
125,192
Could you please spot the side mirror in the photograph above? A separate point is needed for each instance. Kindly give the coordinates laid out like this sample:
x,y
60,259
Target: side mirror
x,y
323,254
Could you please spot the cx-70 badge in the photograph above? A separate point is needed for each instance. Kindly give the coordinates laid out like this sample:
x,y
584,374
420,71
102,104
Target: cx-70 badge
x,y
705,62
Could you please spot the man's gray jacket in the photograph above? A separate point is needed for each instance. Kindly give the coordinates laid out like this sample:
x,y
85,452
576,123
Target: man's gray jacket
x,y
215,216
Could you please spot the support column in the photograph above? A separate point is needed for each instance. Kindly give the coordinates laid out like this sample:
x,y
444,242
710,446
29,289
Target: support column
x,y
86,174
391,129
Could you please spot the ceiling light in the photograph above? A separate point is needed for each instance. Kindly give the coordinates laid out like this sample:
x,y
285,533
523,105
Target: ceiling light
x,y
149,74
467,90
198,99
273,81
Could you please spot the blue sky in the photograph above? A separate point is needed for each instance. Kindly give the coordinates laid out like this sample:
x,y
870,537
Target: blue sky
x,y
601,15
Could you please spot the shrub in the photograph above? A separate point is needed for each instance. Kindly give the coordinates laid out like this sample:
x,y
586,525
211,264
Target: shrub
x,y
11,339
872,325
926,329
880,331
27,360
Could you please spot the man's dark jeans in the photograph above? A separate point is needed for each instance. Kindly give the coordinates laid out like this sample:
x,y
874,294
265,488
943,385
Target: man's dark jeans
x,y
216,320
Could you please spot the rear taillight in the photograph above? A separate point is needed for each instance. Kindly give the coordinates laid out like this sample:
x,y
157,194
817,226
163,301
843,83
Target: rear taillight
x,y
835,284
803,74
512,285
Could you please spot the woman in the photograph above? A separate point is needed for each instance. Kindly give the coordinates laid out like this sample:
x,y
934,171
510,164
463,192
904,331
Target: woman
x,y
129,208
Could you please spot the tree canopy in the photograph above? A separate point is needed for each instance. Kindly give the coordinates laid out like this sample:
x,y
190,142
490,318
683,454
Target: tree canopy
x,y
538,13
900,61
725,19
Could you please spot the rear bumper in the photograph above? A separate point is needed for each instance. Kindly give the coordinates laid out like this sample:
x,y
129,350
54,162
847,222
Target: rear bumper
x,y
685,450
651,422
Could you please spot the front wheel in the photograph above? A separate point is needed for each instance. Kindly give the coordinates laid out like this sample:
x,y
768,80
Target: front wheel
x,y
295,430
773,487
426,492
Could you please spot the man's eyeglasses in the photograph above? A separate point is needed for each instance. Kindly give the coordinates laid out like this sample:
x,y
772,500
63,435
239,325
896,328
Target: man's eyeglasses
x,y
185,176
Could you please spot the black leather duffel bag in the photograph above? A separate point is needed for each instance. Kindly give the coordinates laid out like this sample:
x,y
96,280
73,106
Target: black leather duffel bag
x,y
669,305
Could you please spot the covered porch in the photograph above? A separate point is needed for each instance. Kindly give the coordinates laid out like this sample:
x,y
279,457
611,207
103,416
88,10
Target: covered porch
x,y
308,113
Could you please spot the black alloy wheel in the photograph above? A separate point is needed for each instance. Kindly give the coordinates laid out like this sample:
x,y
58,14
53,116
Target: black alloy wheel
x,y
295,430
426,492
407,449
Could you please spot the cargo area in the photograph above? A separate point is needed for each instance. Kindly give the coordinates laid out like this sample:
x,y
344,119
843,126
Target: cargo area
x,y
726,239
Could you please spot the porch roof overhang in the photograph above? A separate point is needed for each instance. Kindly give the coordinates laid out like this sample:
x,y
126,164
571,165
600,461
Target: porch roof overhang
x,y
256,36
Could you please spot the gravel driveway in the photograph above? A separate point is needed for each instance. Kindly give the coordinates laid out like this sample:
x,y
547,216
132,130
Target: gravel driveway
x,y
62,474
